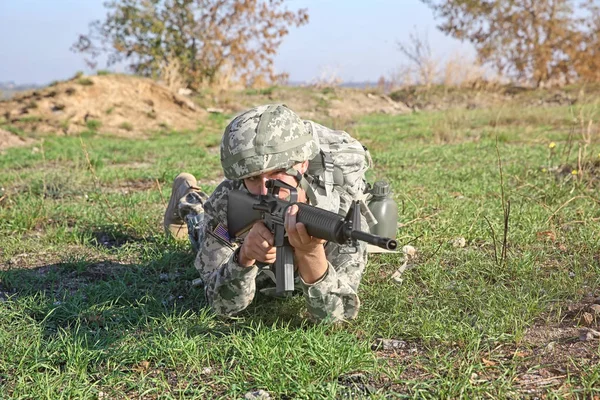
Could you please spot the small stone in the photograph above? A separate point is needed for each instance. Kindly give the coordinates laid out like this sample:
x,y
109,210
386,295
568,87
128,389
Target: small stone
x,y
352,378
163,277
597,300
388,344
257,395
588,334
207,371
459,242
197,282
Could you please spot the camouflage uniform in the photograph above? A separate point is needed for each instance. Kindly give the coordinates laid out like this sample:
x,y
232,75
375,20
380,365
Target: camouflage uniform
x,y
230,287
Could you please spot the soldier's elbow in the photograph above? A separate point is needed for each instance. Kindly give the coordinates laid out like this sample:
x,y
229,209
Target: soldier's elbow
x,y
228,308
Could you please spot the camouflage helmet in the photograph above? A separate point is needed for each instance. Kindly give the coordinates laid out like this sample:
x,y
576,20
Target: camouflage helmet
x,y
264,139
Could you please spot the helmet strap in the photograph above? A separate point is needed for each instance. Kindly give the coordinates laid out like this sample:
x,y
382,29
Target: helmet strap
x,y
295,173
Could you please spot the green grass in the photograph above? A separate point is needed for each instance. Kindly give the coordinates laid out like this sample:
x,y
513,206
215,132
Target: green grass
x,y
30,119
97,304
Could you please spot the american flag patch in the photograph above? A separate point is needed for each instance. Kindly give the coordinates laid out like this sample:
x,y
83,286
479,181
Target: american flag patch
x,y
221,232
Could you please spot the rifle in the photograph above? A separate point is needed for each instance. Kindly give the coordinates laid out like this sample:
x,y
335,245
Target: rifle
x,y
244,209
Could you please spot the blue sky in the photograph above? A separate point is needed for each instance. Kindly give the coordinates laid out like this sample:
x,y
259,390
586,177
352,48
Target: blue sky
x,y
354,39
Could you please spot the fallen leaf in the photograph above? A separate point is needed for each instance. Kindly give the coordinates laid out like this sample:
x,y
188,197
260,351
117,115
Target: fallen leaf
x,y
546,235
142,366
586,319
409,251
562,247
488,363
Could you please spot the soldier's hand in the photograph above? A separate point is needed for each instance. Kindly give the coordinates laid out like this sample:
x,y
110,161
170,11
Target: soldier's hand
x,y
258,246
299,238
309,253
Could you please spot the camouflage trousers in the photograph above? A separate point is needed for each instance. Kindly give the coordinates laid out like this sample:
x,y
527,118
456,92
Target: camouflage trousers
x,y
191,210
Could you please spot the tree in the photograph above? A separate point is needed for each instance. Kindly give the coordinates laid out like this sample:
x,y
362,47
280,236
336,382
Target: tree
x,y
584,51
196,37
418,51
525,39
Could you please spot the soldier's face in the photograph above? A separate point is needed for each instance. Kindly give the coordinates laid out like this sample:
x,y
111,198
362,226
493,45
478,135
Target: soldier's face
x,y
257,184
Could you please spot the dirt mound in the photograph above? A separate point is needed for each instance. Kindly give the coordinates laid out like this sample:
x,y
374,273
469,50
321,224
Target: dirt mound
x,y
120,104
9,139
320,104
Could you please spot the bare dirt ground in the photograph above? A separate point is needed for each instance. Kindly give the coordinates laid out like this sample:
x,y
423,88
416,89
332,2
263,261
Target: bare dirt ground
x,y
118,104
553,354
333,103
9,139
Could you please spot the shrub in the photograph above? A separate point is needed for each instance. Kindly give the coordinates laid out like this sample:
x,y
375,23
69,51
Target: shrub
x,y
85,81
126,125
93,124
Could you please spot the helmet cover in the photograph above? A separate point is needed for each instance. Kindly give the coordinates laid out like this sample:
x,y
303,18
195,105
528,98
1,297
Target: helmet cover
x,y
263,139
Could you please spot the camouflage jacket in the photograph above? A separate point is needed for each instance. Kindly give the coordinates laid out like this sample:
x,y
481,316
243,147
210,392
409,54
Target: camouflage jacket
x,y
230,287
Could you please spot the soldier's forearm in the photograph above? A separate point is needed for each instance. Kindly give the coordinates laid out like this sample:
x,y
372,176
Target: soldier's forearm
x,y
311,266
231,288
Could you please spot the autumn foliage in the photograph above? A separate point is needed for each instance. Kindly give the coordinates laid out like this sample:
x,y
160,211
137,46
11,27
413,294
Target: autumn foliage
x,y
195,40
536,41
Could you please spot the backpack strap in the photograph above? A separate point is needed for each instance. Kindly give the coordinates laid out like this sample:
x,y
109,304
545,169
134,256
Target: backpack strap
x,y
310,192
328,179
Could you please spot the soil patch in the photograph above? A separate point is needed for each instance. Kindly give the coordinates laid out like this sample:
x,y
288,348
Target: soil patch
x,y
9,139
119,104
588,171
557,352
331,105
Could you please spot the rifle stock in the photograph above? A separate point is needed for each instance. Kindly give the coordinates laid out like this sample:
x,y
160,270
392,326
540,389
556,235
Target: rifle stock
x,y
240,212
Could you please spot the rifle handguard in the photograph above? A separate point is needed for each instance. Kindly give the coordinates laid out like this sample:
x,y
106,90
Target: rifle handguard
x,y
333,227
321,223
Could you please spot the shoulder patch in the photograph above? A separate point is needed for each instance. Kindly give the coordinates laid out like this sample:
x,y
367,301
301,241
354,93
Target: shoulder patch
x,y
221,232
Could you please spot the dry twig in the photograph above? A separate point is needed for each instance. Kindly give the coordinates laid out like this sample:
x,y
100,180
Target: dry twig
x,y
162,197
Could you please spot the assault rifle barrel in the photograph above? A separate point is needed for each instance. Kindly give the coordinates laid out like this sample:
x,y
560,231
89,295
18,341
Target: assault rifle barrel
x,y
383,242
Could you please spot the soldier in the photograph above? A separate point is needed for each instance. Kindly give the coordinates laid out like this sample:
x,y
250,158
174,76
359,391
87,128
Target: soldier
x,y
266,142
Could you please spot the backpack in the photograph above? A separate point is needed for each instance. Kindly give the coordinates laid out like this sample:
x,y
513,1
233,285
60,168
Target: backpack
x,y
337,173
